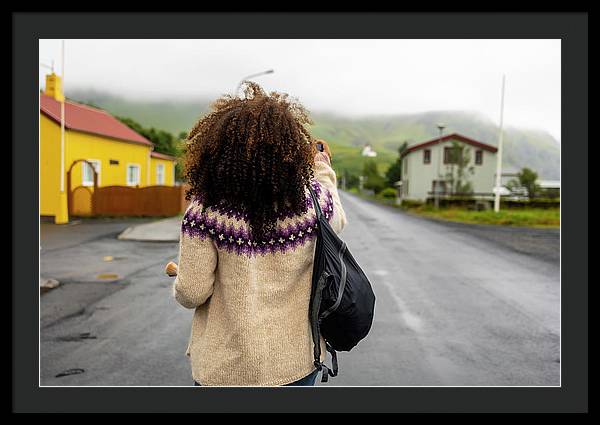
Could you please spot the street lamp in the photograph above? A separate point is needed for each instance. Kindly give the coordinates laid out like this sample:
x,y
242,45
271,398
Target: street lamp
x,y
269,71
440,127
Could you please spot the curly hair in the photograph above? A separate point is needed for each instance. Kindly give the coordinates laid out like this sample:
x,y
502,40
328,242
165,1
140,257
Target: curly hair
x,y
252,154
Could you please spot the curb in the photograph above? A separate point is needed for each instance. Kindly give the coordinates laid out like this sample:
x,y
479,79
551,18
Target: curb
x,y
151,232
123,237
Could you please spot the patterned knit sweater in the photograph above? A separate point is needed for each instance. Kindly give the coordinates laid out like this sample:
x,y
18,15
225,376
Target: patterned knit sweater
x,y
251,298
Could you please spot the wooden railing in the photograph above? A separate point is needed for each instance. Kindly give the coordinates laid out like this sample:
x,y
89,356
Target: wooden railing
x,y
151,201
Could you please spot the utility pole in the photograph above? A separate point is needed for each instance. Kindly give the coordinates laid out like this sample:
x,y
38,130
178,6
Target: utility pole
x,y
499,153
62,215
437,185
62,121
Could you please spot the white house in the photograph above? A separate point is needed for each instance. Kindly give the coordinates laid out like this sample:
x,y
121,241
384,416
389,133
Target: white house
x,y
430,166
368,151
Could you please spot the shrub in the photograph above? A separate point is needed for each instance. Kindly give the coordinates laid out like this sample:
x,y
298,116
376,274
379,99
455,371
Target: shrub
x,y
388,193
373,180
548,203
408,203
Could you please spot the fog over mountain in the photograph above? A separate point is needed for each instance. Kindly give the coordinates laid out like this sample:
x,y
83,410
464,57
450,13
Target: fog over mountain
x,y
353,77
523,147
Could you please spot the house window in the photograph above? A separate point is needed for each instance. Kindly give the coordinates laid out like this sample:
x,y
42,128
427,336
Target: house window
x,y
87,173
405,187
160,174
478,157
448,155
133,174
427,156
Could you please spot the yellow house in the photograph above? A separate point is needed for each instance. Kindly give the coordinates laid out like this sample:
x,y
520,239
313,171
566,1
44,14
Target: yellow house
x,y
119,155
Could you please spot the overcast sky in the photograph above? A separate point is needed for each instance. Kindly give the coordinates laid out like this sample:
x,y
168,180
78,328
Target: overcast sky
x,y
354,77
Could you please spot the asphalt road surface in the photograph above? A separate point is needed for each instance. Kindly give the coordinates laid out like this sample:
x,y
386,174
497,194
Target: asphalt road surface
x,y
456,305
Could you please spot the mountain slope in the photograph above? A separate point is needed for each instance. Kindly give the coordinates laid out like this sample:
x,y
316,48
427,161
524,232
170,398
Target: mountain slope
x,y
173,116
522,148
535,149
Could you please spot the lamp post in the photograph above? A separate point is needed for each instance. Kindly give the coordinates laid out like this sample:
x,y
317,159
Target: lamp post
x,y
440,127
237,89
499,152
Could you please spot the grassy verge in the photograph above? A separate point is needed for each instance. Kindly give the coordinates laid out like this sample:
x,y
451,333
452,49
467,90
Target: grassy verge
x,y
519,217
526,217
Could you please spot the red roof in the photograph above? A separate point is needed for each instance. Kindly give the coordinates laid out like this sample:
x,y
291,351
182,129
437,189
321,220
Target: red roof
x,y
162,156
453,136
90,120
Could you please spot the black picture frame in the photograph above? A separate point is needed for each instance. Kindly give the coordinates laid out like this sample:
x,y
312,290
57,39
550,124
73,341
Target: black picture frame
x,y
571,28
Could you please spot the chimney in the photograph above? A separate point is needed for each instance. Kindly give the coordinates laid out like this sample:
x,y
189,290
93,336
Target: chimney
x,y
54,87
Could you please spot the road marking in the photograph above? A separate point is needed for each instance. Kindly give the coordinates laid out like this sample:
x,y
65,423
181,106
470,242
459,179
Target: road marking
x,y
412,321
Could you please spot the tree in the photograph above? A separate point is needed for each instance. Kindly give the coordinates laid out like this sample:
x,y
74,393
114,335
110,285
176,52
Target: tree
x,y
373,180
527,178
459,169
350,179
164,142
181,150
394,173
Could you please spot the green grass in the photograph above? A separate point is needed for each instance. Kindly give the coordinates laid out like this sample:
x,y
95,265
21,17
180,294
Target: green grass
x,y
518,217
526,217
350,159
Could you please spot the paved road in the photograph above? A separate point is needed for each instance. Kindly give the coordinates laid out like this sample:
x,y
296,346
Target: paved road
x,y
455,306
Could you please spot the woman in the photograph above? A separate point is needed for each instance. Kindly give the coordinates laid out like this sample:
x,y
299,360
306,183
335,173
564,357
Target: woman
x,y
247,240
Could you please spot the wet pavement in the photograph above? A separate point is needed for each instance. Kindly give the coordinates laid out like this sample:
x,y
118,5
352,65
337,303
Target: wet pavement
x,y
456,305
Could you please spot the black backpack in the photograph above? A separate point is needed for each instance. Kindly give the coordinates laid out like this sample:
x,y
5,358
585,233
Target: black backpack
x,y
342,301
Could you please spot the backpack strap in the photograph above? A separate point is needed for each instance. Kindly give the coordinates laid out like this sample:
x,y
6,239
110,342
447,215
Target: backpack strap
x,y
334,362
315,202
326,372
314,320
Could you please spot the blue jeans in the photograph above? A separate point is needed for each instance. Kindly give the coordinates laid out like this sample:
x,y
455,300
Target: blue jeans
x,y
307,381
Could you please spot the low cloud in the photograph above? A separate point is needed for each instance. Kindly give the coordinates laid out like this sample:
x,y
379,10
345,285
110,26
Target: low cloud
x,y
349,77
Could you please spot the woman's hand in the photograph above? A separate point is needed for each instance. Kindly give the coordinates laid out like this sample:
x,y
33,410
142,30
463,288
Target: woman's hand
x,y
171,269
326,149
